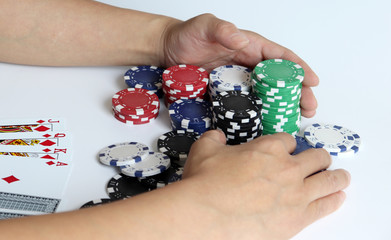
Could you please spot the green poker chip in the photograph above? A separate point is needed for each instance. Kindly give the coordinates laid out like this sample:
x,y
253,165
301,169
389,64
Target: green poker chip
x,y
279,73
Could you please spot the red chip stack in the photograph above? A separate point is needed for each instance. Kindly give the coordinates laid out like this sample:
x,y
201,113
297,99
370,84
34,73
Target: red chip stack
x,y
135,106
184,82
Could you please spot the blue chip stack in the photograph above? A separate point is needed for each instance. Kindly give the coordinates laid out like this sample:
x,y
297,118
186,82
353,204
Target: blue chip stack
x,y
147,77
191,115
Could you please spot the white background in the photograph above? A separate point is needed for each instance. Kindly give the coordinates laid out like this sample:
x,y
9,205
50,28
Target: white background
x,y
347,43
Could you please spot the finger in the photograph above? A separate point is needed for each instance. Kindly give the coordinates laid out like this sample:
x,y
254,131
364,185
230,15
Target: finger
x,y
326,183
286,140
226,33
313,160
208,142
324,206
215,136
308,102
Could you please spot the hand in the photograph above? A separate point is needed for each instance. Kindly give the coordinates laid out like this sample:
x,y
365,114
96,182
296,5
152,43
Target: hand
x,y
259,189
209,42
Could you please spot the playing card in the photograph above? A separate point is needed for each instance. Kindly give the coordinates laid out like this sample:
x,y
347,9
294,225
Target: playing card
x,y
49,139
34,176
61,152
31,125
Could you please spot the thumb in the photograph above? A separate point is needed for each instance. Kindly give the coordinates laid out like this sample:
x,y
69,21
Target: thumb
x,y
215,136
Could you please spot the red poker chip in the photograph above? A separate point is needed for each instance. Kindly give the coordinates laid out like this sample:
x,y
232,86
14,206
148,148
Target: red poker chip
x,y
135,101
176,91
185,77
136,117
173,93
186,96
127,121
168,96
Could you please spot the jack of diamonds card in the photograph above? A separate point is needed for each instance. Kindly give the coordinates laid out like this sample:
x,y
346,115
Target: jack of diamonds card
x,y
31,125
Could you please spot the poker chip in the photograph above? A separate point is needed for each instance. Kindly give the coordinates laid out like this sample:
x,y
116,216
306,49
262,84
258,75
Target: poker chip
x,y
229,78
121,186
349,152
184,82
333,138
237,114
96,202
301,145
237,105
192,115
135,101
146,77
172,174
123,153
133,121
176,144
277,83
279,73
154,163
135,106
337,140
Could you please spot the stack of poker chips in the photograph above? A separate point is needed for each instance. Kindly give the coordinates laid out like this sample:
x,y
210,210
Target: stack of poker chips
x,y
278,83
134,106
147,77
141,169
184,82
191,115
237,114
229,78
176,144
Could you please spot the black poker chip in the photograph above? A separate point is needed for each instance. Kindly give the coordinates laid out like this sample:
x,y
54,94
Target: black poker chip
x,y
172,174
176,144
237,105
121,186
237,114
96,202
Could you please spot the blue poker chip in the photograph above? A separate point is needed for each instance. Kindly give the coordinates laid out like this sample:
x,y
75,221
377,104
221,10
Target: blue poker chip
x,y
199,130
231,78
191,114
147,77
301,145
123,153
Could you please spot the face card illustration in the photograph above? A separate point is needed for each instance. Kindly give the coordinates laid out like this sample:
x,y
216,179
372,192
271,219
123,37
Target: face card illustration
x,y
50,139
31,125
62,153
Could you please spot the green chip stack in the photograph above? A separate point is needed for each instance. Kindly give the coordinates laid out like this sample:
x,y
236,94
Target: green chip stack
x,y
278,83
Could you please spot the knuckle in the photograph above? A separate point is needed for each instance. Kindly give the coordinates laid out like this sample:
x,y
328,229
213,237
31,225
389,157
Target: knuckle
x,y
273,145
207,16
331,180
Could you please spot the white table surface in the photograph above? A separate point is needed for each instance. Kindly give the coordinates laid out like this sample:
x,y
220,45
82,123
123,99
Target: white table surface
x,y
347,43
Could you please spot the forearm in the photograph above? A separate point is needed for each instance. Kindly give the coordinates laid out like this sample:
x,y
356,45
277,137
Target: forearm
x,y
78,32
170,213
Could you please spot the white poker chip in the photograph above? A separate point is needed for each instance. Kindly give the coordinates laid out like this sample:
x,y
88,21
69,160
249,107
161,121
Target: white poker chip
x,y
153,164
231,77
333,138
123,153
353,150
